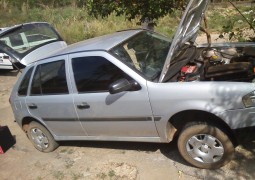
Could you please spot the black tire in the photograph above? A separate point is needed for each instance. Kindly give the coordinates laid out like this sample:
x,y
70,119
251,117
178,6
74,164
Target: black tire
x,y
41,138
205,146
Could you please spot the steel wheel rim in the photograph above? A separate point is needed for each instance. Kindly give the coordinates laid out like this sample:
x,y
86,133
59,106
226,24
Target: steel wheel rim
x,y
205,148
39,138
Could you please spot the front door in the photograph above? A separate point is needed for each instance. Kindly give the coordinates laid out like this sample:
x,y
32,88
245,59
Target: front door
x,y
126,114
49,99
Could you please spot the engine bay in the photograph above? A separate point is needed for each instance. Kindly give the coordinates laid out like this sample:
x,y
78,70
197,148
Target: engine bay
x,y
219,64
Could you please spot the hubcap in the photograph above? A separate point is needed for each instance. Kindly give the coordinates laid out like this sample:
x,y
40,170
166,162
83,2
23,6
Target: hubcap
x,y
39,138
205,148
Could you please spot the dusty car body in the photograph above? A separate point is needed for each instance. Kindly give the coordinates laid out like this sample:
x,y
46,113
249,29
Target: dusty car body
x,y
137,85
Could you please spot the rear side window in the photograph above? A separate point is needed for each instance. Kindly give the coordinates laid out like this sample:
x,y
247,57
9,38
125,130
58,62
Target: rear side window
x,y
25,82
95,74
50,79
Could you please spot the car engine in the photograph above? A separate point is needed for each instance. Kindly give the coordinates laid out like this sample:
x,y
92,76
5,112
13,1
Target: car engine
x,y
220,64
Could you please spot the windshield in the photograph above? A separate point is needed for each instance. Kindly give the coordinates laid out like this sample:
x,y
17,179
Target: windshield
x,y
145,52
28,37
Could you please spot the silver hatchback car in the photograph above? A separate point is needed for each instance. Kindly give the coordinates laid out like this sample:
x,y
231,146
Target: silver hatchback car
x,y
137,85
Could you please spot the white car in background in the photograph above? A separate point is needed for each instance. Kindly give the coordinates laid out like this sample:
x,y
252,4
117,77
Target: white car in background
x,y
5,62
26,43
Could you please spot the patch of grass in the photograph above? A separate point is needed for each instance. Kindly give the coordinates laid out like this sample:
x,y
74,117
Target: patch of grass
x,y
63,150
75,24
58,175
111,173
39,178
69,163
76,176
67,151
101,175
123,152
70,151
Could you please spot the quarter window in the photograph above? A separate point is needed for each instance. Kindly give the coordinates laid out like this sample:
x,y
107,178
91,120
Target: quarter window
x,y
25,82
50,79
93,74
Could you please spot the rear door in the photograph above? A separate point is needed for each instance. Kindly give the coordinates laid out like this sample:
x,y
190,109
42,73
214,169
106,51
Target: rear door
x,y
18,100
50,99
122,115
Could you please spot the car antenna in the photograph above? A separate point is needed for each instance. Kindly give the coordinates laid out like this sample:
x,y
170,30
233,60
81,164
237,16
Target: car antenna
x,y
251,26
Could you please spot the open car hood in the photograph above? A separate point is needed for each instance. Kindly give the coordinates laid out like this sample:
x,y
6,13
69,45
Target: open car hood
x,y
29,42
187,31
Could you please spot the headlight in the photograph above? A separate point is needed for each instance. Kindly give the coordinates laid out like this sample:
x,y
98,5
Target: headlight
x,y
249,100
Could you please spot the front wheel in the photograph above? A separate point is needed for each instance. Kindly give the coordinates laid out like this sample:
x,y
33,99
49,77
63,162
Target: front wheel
x,y
205,146
41,138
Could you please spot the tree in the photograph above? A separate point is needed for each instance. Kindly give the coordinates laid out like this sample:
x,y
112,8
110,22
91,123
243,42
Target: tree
x,y
147,10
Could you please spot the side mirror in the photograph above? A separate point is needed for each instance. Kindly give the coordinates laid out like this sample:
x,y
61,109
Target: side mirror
x,y
123,85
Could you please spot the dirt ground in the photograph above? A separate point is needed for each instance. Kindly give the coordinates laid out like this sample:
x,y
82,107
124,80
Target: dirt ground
x,y
105,160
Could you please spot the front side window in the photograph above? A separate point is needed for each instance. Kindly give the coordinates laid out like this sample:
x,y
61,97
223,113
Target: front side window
x,y
24,83
93,74
50,79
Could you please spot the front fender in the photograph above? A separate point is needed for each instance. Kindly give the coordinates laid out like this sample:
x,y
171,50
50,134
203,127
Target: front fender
x,y
168,99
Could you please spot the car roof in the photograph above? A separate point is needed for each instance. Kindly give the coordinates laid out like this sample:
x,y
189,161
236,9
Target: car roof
x,y
103,43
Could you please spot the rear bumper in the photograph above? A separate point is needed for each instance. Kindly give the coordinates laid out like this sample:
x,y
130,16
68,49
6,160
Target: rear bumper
x,y
7,66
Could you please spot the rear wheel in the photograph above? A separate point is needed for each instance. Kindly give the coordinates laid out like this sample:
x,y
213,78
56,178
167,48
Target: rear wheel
x,y
41,138
205,146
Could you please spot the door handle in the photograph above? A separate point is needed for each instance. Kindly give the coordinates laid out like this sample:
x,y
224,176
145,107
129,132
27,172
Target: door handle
x,y
83,106
32,106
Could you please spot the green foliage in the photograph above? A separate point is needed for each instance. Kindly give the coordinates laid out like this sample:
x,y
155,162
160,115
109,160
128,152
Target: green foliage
x,y
43,3
76,176
76,24
237,27
58,175
111,173
143,9
101,175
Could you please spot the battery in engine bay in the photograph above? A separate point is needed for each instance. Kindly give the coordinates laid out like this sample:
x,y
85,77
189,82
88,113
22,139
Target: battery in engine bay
x,y
188,69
